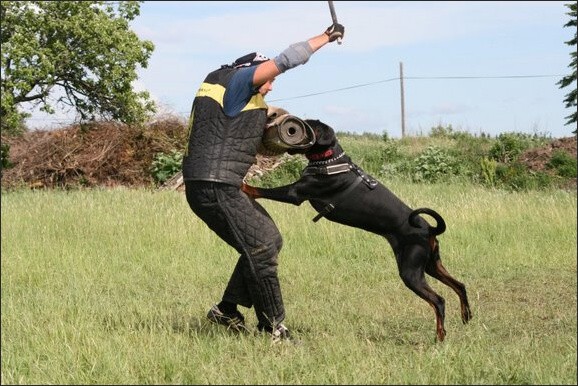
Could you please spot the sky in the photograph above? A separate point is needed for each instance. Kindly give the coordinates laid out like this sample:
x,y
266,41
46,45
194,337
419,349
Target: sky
x,y
480,66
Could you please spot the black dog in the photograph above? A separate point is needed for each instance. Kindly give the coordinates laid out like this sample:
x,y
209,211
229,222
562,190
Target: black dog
x,y
342,192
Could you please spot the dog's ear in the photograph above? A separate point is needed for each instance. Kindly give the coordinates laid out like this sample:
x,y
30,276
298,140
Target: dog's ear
x,y
324,134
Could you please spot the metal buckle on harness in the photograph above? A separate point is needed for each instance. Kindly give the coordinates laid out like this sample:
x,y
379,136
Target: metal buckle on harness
x,y
335,169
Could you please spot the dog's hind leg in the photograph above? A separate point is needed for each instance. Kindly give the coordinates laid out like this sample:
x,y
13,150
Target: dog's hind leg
x,y
411,265
436,269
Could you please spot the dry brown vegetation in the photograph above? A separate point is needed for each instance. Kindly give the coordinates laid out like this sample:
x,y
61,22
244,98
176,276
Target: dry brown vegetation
x,y
537,159
105,154
95,155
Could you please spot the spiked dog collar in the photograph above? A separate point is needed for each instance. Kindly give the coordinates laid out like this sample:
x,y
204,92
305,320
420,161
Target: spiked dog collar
x,y
327,161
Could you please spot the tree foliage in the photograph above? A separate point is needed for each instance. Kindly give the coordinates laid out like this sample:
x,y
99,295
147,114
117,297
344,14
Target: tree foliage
x,y
75,56
571,97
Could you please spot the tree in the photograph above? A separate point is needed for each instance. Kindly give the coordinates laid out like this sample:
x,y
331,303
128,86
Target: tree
x,y
74,55
571,97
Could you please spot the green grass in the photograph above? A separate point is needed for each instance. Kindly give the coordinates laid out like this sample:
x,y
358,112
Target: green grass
x,y
112,287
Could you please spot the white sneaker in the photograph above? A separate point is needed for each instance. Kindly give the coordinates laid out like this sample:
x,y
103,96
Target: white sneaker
x,y
279,334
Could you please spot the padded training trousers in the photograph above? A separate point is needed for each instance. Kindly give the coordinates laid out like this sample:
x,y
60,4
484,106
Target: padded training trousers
x,y
246,226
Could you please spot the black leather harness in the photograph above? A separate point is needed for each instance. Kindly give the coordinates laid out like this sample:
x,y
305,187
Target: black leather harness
x,y
336,169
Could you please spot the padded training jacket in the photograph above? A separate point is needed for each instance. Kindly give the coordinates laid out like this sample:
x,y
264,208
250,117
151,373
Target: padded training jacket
x,y
222,148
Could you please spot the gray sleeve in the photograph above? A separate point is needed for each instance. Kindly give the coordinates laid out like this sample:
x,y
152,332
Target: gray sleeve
x,y
294,55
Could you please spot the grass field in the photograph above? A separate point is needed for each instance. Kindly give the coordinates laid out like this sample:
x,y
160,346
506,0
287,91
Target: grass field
x,y
112,287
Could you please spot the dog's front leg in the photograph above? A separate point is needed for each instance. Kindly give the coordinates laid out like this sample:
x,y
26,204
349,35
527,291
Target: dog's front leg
x,y
282,193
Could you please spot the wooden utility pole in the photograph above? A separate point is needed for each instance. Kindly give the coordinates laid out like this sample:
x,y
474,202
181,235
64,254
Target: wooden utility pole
x,y
402,100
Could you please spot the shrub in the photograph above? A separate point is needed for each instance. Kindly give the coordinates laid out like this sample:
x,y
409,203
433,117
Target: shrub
x,y
385,136
563,164
509,146
489,171
166,165
433,165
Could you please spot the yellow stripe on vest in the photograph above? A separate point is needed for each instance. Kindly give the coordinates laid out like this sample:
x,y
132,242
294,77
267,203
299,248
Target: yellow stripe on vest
x,y
214,91
217,93
256,102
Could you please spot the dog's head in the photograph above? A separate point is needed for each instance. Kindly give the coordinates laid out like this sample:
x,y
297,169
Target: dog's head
x,y
324,138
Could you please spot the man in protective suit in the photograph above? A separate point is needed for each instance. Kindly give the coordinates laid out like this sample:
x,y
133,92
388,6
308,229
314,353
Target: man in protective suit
x,y
226,125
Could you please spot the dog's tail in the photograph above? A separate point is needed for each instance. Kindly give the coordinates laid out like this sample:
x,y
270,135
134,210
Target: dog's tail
x,y
440,223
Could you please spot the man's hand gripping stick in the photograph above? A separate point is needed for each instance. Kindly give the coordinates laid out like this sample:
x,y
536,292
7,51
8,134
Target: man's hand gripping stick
x,y
333,17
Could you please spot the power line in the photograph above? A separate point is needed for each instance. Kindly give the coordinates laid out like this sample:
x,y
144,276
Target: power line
x,y
416,78
374,83
483,77
337,89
